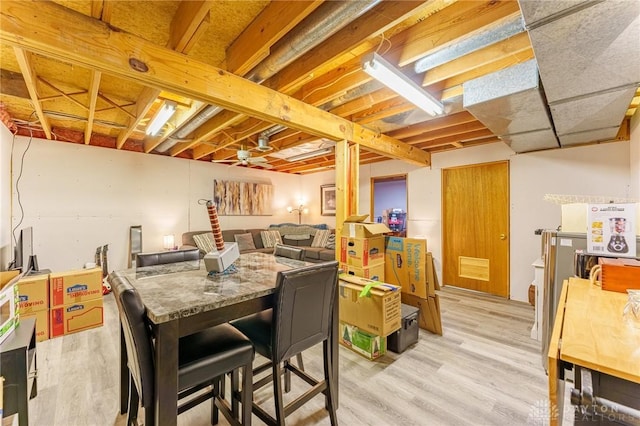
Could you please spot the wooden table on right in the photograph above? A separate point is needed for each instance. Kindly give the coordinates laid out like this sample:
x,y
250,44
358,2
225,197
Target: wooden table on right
x,y
590,332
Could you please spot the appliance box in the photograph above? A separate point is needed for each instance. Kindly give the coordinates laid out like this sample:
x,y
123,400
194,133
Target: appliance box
x,y
372,306
371,346
75,286
374,273
33,293
362,252
408,333
9,309
76,317
620,274
356,227
408,265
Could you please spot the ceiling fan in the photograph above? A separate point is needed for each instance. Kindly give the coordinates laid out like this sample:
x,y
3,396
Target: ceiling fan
x,y
245,159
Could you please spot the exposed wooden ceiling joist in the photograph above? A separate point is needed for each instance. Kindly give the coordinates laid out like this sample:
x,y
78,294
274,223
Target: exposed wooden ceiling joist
x,y
96,46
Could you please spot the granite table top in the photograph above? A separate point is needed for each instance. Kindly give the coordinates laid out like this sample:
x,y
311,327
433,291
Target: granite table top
x,y
182,289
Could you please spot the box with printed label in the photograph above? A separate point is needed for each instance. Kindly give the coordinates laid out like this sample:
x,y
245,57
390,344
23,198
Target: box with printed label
x,y
9,310
406,265
33,293
356,227
375,273
362,252
75,317
372,306
42,323
371,346
75,286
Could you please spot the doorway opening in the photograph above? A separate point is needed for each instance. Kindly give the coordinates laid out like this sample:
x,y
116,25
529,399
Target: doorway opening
x,y
389,204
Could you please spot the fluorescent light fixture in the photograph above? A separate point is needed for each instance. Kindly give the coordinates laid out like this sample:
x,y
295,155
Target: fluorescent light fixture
x,y
390,76
311,154
160,119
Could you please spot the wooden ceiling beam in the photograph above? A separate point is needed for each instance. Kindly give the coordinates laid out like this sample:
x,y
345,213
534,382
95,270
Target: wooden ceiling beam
x,y
513,45
219,122
30,77
458,137
94,45
445,132
318,60
444,27
432,125
255,42
362,103
187,25
102,9
94,85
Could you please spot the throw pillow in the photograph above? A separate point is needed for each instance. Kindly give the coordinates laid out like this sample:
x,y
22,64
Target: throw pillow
x,y
331,242
245,241
270,238
321,238
205,242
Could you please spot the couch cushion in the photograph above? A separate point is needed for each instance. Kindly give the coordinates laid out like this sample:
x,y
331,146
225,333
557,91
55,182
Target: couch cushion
x,y
257,237
245,241
327,254
312,253
321,238
270,238
229,234
205,242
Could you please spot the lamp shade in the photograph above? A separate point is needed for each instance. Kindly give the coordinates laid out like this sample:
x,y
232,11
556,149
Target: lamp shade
x,y
168,242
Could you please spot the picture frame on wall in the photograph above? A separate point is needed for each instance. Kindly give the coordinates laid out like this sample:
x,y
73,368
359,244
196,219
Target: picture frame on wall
x,y
328,200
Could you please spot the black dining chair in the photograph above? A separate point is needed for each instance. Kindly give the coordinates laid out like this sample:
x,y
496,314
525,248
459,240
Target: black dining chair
x,y
204,358
301,318
164,257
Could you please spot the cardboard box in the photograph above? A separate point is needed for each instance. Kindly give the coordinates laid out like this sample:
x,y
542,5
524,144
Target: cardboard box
x,y
75,286
9,309
42,323
75,317
406,265
362,252
371,346
356,227
372,306
374,273
33,293
429,317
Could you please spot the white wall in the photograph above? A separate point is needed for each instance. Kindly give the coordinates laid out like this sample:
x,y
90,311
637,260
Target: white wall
x,y
6,244
78,197
588,170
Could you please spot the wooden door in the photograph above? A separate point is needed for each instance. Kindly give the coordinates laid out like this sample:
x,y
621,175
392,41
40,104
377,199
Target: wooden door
x,y
475,227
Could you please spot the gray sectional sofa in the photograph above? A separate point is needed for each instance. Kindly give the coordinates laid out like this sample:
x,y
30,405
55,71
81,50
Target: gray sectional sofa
x,y
312,254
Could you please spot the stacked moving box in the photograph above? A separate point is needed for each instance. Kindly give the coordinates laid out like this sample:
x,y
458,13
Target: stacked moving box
x,y
362,248
76,301
33,293
369,308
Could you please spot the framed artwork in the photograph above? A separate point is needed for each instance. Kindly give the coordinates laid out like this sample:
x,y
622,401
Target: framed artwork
x,y
234,198
328,200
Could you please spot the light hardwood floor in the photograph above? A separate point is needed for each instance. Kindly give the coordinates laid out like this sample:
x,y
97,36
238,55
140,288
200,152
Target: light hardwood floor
x,y
484,370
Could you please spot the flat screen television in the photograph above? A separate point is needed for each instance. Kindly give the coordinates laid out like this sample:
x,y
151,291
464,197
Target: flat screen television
x,y
24,258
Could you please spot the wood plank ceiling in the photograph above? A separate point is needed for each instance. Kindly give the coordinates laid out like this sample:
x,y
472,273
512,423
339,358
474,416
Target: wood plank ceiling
x,y
96,73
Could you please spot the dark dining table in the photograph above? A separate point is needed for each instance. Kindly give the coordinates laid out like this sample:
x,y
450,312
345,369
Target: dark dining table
x,y
182,298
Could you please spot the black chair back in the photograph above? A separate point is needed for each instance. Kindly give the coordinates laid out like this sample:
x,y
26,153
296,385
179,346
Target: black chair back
x,y
138,342
291,252
163,257
303,309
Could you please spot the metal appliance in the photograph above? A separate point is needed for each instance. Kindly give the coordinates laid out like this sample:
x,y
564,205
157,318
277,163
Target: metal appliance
x,y
559,256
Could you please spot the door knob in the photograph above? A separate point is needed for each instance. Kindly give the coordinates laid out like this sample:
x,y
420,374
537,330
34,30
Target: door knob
x,y
503,237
